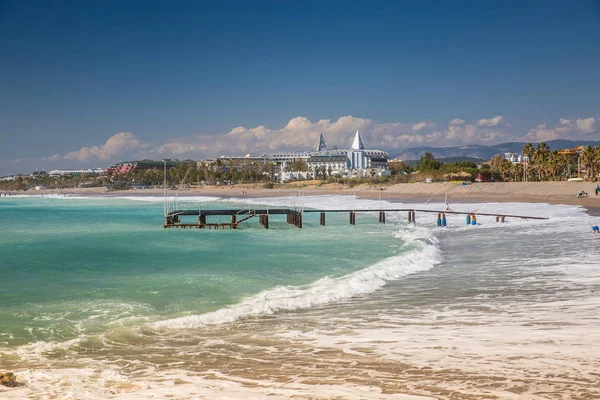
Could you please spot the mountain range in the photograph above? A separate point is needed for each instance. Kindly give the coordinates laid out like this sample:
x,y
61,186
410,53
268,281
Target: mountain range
x,y
482,152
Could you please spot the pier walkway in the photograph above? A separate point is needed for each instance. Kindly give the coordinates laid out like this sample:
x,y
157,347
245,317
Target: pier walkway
x,y
294,216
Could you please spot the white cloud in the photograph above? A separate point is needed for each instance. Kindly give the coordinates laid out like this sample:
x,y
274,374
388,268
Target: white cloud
x,y
578,129
541,133
300,133
120,143
419,126
586,125
490,121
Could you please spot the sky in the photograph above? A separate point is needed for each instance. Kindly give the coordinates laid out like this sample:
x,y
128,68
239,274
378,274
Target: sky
x,y
91,83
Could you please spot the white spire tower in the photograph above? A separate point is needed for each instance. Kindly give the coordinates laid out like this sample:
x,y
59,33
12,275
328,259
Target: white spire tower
x,y
321,146
358,143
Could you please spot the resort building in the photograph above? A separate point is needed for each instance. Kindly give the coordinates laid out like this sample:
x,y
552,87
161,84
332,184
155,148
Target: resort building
x,y
320,163
572,152
127,166
38,174
57,173
354,162
516,158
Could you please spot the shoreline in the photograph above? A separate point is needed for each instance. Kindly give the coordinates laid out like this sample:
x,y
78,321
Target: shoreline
x,y
494,300
499,192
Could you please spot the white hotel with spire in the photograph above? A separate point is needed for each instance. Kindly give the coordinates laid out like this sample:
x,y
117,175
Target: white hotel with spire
x,y
354,162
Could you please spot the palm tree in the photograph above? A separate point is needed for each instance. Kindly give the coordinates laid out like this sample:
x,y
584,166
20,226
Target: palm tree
x,y
587,158
540,158
564,164
597,160
517,171
556,164
528,152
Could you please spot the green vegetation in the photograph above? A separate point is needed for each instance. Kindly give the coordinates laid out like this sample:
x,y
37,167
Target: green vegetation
x,y
64,182
215,173
428,168
549,165
544,165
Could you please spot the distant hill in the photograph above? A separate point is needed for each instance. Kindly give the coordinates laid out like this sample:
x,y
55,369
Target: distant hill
x,y
484,152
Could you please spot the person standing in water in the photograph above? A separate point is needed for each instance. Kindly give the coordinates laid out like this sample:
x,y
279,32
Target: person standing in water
x,y
595,229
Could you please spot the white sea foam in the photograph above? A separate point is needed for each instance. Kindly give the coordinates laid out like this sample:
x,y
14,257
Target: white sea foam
x,y
420,253
328,290
160,199
92,384
323,291
541,340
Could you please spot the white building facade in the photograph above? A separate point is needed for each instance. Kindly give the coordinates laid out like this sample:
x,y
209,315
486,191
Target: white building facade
x,y
75,172
354,162
516,158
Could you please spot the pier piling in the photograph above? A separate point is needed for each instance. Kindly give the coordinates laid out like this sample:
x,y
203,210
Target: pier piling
x,y
294,216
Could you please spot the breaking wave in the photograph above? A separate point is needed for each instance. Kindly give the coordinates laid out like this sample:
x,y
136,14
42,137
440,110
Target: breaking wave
x,y
419,253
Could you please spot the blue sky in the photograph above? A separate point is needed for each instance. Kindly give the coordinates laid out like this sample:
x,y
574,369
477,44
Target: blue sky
x,y
86,83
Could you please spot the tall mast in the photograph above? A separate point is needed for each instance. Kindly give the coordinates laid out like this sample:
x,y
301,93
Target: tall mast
x,y
165,188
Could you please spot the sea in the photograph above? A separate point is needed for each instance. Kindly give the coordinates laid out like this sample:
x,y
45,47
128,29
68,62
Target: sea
x,y
98,301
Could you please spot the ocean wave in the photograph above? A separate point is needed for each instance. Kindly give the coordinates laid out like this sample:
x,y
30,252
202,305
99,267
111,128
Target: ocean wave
x,y
160,199
420,253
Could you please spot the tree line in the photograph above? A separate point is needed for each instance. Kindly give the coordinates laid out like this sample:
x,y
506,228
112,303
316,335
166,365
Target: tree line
x,y
549,165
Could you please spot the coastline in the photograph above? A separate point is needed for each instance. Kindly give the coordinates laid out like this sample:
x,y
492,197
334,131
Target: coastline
x,y
458,315
498,192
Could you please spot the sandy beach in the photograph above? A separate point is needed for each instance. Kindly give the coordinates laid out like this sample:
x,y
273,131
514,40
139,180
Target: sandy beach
x,y
498,192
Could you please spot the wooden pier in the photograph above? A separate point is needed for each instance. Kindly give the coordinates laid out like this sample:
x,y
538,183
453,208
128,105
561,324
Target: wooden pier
x,y
294,216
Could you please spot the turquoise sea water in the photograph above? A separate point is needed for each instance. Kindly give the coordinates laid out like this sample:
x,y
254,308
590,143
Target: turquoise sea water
x,y
81,266
98,301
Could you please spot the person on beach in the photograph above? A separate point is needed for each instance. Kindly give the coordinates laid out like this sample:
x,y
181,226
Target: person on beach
x,y
595,229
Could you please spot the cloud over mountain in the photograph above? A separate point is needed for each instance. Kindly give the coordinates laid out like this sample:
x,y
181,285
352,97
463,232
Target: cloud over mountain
x,y
582,128
300,133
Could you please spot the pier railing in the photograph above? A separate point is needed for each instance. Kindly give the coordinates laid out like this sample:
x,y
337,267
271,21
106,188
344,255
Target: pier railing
x,y
295,215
